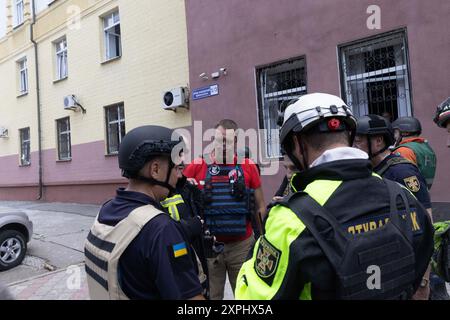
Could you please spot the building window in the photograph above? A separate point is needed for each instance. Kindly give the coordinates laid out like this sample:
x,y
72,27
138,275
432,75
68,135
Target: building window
x,y
23,76
374,76
24,146
64,144
18,17
61,59
277,85
111,25
115,127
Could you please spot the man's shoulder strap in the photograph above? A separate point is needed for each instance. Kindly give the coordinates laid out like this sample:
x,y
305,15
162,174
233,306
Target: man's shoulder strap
x,y
392,162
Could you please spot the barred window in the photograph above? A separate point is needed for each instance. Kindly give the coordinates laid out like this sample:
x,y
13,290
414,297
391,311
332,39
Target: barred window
x,y
24,146
64,142
374,76
115,127
278,84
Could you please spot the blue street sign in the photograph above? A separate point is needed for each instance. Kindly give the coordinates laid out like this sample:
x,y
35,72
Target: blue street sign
x,y
205,92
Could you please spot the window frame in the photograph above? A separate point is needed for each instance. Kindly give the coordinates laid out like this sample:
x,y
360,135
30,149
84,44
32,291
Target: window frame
x,y
19,19
106,27
61,57
22,65
59,133
25,147
381,75
117,122
284,95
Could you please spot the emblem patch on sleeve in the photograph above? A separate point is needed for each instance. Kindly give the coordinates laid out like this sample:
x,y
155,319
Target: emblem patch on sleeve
x,y
266,262
412,183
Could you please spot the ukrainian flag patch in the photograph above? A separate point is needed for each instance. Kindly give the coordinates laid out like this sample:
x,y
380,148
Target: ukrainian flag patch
x,y
179,249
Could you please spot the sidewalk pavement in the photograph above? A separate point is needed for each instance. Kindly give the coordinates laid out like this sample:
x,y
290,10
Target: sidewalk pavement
x,y
65,284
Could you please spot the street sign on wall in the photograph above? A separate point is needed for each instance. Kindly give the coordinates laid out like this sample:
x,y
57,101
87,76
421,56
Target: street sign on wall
x,y
205,92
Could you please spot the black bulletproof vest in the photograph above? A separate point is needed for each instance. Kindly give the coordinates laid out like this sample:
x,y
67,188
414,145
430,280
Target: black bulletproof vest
x,y
356,258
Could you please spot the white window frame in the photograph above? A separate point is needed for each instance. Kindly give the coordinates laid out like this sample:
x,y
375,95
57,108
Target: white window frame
x,y
110,22
25,147
68,141
362,79
114,122
18,12
62,71
267,119
23,76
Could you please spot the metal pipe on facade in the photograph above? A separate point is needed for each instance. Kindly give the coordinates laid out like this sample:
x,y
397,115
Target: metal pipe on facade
x,y
38,97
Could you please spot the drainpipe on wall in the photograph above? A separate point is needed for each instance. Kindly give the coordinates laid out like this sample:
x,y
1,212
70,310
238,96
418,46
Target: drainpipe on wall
x,y
38,97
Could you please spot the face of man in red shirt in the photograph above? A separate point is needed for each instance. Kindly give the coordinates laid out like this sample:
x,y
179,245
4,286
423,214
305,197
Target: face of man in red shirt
x,y
224,146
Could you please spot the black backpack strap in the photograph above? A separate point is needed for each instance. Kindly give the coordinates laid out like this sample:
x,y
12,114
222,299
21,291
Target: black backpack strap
x,y
404,225
310,212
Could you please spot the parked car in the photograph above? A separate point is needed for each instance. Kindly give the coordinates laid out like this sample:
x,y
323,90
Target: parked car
x,y
16,230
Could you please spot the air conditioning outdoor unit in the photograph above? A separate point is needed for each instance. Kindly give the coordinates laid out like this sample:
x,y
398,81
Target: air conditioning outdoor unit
x,y
71,103
175,98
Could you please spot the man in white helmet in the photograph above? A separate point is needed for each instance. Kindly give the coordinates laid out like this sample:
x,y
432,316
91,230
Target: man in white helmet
x,y
341,235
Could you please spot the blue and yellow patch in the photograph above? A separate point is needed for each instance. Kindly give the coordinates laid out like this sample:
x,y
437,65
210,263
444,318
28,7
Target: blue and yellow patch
x,y
179,249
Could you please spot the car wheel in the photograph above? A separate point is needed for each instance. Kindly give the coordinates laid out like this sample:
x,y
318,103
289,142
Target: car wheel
x,y
12,249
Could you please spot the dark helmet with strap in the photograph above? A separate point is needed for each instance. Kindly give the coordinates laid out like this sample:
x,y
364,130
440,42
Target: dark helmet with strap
x,y
142,144
407,126
443,113
316,112
375,125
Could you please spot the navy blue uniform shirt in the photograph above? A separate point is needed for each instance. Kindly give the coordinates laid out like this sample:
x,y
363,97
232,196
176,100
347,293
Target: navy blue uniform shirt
x,y
155,264
409,176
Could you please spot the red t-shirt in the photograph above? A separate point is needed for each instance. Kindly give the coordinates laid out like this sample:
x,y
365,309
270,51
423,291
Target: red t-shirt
x,y
198,169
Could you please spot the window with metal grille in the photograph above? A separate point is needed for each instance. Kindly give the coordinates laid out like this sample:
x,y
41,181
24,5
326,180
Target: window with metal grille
x,y
61,59
23,76
64,143
375,77
113,46
277,85
18,16
24,146
115,127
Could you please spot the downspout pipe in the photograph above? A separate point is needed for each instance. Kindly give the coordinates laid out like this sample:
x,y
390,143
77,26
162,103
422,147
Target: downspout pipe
x,y
38,98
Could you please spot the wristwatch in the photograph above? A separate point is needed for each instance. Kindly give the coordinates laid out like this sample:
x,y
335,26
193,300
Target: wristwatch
x,y
424,283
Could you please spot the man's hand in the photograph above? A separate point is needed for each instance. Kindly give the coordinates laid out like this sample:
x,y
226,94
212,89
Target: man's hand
x,y
192,181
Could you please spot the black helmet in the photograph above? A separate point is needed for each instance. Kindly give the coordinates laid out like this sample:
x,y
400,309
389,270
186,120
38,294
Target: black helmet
x,y
407,126
375,125
442,113
142,143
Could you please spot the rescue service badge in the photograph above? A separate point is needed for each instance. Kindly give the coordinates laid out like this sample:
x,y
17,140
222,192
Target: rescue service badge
x,y
267,259
412,183
214,170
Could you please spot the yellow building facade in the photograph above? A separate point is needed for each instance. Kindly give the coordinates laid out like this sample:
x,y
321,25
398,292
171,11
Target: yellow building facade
x,y
112,59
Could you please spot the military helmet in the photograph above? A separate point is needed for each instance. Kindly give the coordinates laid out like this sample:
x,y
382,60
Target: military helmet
x,y
142,143
375,125
407,125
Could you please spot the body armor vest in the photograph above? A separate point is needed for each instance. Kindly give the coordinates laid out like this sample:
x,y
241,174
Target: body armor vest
x,y
103,248
227,202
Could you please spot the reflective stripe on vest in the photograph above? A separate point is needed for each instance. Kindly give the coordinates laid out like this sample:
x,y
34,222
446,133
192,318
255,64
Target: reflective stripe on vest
x,y
171,205
426,159
283,227
103,248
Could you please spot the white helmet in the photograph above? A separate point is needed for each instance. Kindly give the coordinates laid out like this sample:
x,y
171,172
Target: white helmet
x,y
310,111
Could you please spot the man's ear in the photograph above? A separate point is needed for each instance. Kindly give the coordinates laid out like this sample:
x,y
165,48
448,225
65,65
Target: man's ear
x,y
153,168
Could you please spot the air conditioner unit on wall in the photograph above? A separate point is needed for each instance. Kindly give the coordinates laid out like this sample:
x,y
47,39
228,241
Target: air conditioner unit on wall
x,y
3,133
175,98
71,103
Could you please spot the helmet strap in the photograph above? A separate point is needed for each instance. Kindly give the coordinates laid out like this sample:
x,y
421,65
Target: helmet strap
x,y
369,146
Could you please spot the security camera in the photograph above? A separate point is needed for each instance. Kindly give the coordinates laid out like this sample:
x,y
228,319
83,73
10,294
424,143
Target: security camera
x,y
223,71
